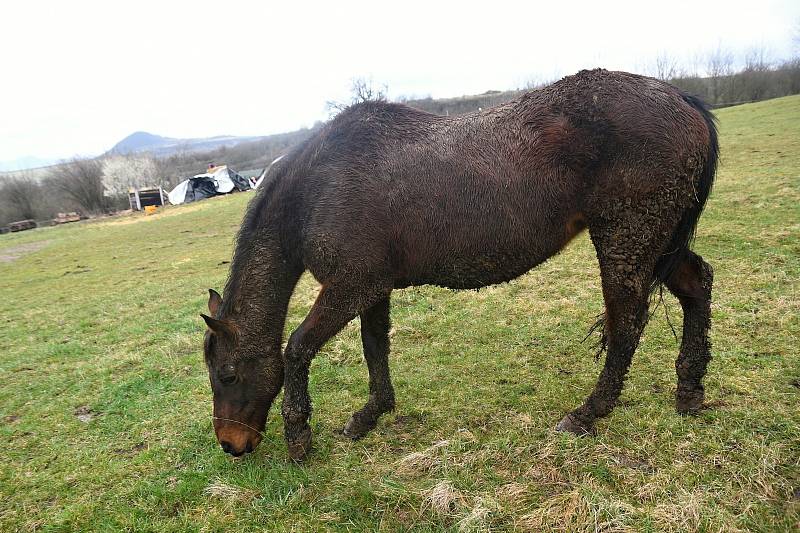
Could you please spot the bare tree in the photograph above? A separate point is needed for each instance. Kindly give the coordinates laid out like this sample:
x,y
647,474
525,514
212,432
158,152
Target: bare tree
x,y
365,90
790,74
361,90
22,196
537,81
719,67
666,66
81,180
755,77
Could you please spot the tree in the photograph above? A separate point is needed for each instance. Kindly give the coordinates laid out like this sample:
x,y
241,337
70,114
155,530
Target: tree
x,y
122,172
81,180
755,77
22,197
364,90
719,67
666,67
361,90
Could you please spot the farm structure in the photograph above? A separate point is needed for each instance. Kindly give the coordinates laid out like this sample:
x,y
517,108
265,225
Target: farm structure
x,y
141,198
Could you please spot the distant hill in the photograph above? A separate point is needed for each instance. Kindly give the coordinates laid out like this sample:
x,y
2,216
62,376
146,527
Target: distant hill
x,y
142,141
22,163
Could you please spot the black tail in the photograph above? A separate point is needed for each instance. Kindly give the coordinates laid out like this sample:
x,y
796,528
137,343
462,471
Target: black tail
x,y
684,233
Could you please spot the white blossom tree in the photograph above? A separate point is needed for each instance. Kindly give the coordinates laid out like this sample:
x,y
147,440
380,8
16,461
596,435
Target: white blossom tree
x,y
122,172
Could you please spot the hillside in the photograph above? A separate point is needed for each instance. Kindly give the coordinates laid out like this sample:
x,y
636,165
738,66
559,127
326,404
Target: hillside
x,y
162,146
139,141
105,405
23,163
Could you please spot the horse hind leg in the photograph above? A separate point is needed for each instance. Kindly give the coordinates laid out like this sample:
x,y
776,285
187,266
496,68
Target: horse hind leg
x,y
628,245
375,324
691,283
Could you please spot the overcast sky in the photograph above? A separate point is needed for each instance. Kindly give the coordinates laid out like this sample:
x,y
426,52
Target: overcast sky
x,y
79,76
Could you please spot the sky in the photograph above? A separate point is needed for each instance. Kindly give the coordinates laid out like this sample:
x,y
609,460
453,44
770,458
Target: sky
x,y
81,75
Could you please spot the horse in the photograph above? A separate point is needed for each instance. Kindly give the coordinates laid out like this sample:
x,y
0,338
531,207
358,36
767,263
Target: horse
x,y
385,196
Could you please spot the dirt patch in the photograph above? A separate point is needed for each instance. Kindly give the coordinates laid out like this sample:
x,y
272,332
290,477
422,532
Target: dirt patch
x,y
163,212
80,270
133,450
85,414
633,463
414,419
9,255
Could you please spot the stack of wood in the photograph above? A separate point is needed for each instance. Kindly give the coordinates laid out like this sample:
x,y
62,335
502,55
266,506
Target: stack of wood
x,y
63,218
22,225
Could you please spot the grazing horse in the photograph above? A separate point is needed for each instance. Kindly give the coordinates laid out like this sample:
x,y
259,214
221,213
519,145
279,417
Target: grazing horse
x,y
385,196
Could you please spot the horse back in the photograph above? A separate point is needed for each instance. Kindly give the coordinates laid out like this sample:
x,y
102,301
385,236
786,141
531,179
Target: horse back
x,y
478,199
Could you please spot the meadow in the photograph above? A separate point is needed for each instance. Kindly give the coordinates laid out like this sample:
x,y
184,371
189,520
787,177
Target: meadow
x,y
105,404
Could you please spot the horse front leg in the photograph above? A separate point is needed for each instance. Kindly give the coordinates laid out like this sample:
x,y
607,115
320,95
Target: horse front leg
x,y
336,305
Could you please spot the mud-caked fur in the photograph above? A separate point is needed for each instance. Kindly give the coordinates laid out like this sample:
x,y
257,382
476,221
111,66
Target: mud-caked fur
x,y
386,196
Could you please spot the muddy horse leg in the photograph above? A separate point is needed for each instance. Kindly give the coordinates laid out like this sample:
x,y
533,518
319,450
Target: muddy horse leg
x,y
627,257
375,325
336,305
691,284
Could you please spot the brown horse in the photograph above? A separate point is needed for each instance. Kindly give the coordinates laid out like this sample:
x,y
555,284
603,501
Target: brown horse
x,y
386,196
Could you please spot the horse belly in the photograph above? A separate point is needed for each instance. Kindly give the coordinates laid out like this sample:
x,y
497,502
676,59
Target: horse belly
x,y
482,270
477,267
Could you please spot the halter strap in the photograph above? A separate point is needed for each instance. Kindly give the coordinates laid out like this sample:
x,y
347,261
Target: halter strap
x,y
251,428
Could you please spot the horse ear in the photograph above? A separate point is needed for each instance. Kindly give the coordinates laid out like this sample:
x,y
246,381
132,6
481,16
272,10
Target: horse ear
x,y
218,326
214,302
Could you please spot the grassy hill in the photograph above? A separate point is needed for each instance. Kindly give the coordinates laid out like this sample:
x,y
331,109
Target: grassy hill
x,y
105,405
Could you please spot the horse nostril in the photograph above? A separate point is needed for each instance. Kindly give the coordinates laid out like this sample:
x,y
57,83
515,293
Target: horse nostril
x,y
226,447
248,448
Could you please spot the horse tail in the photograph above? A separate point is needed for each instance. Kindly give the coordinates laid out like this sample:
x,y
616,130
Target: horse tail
x,y
685,231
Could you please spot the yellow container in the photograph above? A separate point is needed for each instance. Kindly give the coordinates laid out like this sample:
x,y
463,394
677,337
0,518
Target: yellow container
x,y
149,209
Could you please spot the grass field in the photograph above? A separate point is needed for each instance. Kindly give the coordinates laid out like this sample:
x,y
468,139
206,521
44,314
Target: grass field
x,y
105,404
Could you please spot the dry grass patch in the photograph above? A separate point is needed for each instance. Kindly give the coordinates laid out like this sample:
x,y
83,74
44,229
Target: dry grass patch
x,y
424,462
218,489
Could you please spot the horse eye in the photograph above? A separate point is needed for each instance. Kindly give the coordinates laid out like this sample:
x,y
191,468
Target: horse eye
x,y
227,374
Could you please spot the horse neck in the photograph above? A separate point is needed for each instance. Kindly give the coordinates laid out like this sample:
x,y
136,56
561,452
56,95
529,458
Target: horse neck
x,y
258,291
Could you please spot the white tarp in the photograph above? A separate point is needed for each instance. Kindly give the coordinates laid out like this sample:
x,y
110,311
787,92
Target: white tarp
x,y
222,183
263,174
178,194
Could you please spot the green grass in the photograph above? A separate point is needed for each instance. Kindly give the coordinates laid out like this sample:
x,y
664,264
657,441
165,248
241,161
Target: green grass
x,y
103,319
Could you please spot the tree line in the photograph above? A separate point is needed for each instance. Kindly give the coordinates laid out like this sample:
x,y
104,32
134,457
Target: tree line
x,y
714,77
719,82
94,186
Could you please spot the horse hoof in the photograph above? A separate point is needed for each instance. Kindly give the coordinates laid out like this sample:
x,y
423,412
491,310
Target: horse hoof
x,y
356,428
570,424
300,446
689,402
